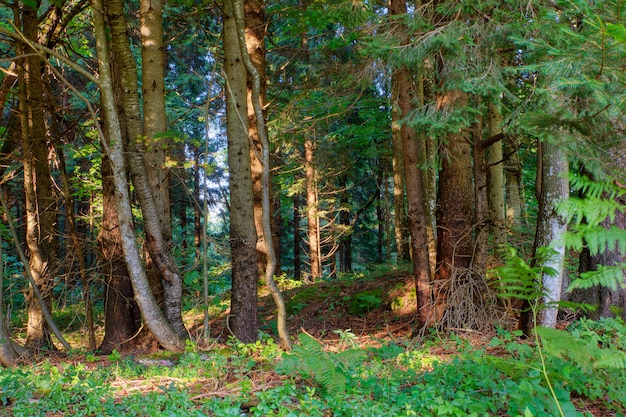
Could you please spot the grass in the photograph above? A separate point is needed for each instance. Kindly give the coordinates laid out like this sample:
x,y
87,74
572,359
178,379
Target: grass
x,y
335,371
440,376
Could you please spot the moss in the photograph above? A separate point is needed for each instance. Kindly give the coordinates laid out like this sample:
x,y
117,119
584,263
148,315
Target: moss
x,y
306,296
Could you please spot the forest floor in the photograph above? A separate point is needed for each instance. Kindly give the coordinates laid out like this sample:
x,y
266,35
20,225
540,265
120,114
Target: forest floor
x,y
456,373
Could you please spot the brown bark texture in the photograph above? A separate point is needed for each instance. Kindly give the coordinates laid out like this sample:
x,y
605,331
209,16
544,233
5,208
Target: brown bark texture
x,y
414,184
243,319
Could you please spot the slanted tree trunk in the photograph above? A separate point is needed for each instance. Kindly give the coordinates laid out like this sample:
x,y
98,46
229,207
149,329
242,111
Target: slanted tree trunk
x,y
41,207
159,247
414,184
243,234
150,311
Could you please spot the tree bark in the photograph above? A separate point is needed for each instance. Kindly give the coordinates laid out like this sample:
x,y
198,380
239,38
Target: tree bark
x,y
315,263
495,179
514,196
481,213
248,42
551,227
455,206
121,314
402,240
40,201
297,240
243,234
150,311
159,247
414,184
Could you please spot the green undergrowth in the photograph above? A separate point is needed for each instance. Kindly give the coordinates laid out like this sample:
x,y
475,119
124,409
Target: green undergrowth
x,y
584,366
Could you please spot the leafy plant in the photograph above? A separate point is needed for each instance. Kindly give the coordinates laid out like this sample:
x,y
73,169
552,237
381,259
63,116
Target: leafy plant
x,y
332,371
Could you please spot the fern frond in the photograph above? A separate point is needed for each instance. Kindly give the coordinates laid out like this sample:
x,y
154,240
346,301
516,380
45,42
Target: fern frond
x,y
606,276
597,239
610,358
330,370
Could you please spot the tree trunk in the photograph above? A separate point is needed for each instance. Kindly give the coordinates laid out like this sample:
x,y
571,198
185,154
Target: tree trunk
x,y
495,179
402,240
155,146
455,206
551,227
297,240
514,203
414,184
311,209
40,201
243,234
150,311
121,314
159,246
481,213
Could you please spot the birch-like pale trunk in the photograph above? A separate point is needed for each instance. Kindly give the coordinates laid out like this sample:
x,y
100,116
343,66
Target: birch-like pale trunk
x,y
551,227
152,314
159,248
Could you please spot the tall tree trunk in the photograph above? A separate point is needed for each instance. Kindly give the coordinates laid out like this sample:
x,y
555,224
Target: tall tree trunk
x,y
481,213
40,201
455,206
249,41
150,311
414,184
402,240
121,314
514,195
297,240
255,45
551,227
495,179
315,263
155,144
159,246
243,234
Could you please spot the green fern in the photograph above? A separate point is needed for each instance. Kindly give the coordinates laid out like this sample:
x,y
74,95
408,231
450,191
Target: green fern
x,y
606,276
586,354
518,279
331,371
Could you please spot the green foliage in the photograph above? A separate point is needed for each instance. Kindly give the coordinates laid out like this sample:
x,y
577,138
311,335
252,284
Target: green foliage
x,y
330,370
518,279
365,301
